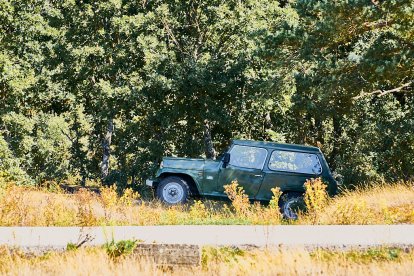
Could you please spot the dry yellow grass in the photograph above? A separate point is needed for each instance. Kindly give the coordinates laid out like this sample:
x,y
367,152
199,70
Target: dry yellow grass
x,y
25,206
376,204
95,261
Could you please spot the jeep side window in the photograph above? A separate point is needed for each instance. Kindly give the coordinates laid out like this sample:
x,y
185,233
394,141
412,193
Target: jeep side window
x,y
247,157
298,162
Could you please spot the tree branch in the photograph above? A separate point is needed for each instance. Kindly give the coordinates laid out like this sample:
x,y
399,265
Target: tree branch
x,y
67,136
171,35
381,93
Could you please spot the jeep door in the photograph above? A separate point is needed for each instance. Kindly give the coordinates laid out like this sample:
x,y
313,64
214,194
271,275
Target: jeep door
x,y
288,170
245,166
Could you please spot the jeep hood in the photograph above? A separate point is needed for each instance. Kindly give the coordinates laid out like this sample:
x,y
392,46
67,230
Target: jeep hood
x,y
183,163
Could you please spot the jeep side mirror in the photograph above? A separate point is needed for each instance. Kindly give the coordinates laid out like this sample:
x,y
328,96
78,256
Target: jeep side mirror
x,y
226,159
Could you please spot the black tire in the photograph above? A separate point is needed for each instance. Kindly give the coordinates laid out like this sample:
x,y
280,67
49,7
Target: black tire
x,y
290,203
173,190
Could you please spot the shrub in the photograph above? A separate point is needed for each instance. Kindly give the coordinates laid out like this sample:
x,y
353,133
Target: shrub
x,y
239,200
316,198
220,255
50,186
58,211
198,210
15,208
274,202
272,214
10,169
128,197
114,204
121,248
85,201
109,200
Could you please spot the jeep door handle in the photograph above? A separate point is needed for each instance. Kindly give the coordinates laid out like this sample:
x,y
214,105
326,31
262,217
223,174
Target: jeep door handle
x,y
258,175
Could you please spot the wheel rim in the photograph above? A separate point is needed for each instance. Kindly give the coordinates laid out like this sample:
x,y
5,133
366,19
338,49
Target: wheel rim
x,y
173,193
288,210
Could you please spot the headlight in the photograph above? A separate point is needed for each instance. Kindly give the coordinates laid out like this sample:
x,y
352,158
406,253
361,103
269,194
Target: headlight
x,y
161,164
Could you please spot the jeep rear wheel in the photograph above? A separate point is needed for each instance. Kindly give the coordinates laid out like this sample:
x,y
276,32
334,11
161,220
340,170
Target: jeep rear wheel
x,y
173,190
290,204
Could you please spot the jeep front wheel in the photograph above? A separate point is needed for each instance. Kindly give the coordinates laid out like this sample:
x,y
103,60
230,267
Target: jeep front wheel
x,y
173,190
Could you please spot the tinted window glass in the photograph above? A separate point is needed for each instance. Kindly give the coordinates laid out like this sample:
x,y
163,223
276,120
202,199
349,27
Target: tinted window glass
x,y
247,157
295,162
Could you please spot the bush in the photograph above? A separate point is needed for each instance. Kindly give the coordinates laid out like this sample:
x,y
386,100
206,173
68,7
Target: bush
x,y
85,202
113,203
121,248
316,198
198,210
239,200
10,169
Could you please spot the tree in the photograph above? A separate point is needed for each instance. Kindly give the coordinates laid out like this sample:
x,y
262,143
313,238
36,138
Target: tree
x,y
345,52
106,88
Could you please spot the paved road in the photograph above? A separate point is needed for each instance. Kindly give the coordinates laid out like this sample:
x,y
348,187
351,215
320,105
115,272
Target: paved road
x,y
291,236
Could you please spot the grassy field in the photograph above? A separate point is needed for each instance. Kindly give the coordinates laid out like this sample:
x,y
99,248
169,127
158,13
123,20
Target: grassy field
x,y
215,261
28,206
377,204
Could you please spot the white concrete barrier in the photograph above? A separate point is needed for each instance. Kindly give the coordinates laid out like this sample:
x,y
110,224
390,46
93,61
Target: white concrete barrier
x,y
235,235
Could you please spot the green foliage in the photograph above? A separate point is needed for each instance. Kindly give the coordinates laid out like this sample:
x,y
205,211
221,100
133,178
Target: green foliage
x,y
336,74
39,144
343,67
71,246
220,254
121,248
10,169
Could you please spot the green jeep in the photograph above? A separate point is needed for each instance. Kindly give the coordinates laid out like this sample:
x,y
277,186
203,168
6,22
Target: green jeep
x,y
257,166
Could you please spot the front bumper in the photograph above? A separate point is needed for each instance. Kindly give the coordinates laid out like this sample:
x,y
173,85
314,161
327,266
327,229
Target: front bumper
x,y
149,182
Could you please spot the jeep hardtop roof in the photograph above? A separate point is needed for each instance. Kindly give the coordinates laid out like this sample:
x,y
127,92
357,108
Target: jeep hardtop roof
x,y
280,146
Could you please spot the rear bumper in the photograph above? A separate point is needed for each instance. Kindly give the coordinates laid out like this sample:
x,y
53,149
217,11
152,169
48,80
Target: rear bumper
x,y
149,182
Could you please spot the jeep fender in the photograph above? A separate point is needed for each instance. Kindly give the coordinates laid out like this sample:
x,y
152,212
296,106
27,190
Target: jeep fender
x,y
192,178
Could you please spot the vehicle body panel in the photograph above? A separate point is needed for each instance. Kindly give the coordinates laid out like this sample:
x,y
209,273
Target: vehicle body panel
x,y
211,172
249,179
183,166
184,163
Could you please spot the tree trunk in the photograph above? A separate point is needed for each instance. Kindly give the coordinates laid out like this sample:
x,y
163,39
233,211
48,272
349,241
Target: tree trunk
x,y
267,125
337,133
320,140
208,143
79,155
106,145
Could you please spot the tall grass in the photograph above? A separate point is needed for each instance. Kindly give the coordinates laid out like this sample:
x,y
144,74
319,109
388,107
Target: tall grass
x,y
374,204
316,199
29,206
215,261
